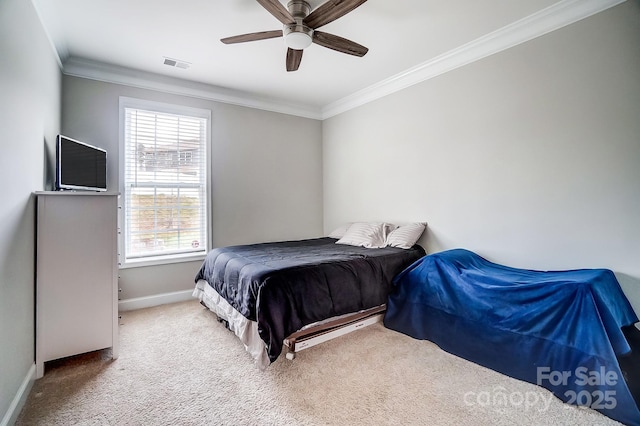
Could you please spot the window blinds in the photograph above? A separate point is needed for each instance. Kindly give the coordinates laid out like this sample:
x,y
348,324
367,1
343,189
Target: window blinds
x,y
164,184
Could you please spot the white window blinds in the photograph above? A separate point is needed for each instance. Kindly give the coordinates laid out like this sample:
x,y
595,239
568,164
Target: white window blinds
x,y
165,205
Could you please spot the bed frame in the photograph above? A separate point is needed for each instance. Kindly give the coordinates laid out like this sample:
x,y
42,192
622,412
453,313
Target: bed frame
x,y
307,337
313,335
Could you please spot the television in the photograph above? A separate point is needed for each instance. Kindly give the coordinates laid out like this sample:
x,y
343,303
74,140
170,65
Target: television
x,y
80,166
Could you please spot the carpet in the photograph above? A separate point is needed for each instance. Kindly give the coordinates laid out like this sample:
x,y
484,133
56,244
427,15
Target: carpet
x,y
179,366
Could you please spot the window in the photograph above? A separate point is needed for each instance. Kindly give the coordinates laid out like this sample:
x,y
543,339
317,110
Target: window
x,y
164,183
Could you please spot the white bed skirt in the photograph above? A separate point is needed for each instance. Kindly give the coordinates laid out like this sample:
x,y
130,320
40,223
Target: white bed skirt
x,y
246,330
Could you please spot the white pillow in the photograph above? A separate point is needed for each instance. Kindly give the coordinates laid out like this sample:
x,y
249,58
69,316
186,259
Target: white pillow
x,y
367,234
405,236
340,231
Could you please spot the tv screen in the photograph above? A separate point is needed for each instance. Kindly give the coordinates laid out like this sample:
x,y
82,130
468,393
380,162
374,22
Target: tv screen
x,y
80,166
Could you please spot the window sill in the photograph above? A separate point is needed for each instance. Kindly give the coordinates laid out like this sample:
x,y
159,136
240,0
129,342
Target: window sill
x,y
162,260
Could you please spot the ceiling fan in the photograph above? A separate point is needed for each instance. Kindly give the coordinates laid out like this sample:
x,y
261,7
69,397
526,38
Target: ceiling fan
x,y
300,28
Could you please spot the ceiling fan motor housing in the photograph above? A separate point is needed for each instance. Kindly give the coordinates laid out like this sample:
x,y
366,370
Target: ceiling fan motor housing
x,y
298,36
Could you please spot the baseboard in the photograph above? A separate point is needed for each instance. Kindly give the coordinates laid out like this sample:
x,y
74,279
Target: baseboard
x,y
13,412
155,300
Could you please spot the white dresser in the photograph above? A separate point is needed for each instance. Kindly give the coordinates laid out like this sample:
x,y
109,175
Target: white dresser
x,y
76,274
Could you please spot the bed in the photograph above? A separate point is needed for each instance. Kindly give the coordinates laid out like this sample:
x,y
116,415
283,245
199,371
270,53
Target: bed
x,y
268,292
563,330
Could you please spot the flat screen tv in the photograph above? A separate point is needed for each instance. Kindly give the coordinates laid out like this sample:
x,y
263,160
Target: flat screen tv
x,y
80,166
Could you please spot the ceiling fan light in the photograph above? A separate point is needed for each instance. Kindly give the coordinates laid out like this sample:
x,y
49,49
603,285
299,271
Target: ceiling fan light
x,y
297,36
298,41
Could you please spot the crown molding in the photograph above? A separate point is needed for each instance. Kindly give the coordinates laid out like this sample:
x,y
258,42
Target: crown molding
x,y
58,51
108,73
554,17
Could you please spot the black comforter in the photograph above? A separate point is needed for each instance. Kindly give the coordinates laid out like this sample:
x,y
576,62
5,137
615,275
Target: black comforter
x,y
287,285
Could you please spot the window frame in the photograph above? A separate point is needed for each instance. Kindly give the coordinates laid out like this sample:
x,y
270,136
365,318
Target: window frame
x,y
160,107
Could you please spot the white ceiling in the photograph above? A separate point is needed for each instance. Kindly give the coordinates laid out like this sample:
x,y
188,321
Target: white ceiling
x,y
400,34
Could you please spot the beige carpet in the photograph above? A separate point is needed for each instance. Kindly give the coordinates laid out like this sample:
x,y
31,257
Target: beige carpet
x,y
179,366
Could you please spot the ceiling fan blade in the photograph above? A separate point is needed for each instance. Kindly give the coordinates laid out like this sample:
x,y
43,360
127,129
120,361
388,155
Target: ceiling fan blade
x,y
293,59
263,35
338,43
330,11
276,8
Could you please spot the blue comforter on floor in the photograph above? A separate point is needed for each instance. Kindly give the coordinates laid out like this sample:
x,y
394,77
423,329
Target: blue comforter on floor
x,y
560,330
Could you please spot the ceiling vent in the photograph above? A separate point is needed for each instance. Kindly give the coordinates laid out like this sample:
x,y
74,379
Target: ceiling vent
x,y
176,63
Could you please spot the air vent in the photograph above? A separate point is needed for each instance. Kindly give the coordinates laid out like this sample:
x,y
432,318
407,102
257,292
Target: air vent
x,y
176,63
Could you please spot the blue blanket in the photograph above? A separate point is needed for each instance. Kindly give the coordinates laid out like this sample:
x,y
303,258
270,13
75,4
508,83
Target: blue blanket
x,y
560,330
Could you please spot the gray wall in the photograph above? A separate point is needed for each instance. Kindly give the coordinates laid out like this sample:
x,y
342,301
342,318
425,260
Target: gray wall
x,y
30,82
530,157
266,172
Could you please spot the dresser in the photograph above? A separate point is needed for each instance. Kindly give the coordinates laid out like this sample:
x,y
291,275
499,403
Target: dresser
x,y
76,274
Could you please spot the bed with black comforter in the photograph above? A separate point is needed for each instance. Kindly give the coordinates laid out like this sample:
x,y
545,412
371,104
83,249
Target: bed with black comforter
x,y
284,286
